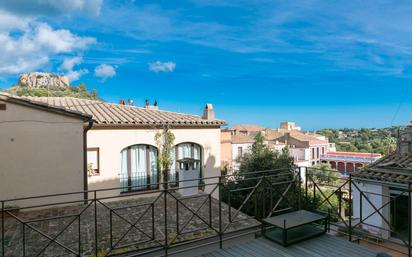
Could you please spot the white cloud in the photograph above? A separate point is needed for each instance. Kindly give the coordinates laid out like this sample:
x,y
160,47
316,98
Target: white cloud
x,y
61,41
104,71
74,75
51,7
28,44
32,47
10,22
159,66
68,65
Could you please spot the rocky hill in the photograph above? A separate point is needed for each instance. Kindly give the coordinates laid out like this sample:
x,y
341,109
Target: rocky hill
x,y
42,79
47,84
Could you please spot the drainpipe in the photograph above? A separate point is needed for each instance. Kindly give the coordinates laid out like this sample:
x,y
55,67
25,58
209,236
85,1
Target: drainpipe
x,y
85,178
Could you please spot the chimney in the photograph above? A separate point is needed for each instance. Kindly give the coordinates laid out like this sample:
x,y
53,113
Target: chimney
x,y
405,141
151,107
122,102
208,112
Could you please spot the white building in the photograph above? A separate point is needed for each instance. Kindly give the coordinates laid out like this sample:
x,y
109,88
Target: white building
x,y
42,150
121,147
241,144
385,184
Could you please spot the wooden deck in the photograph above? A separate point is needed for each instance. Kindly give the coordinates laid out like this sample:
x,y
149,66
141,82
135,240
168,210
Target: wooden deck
x,y
323,246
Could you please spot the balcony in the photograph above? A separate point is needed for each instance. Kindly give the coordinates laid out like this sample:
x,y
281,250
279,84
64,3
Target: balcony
x,y
226,221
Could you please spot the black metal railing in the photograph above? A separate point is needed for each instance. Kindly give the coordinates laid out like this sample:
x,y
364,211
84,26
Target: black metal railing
x,y
360,209
155,221
163,221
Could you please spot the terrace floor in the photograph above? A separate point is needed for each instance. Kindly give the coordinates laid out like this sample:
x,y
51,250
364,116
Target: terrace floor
x,y
133,226
323,246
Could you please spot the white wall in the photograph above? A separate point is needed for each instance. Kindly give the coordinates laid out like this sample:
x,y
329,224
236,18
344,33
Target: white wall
x,y
112,141
302,154
41,153
235,153
367,209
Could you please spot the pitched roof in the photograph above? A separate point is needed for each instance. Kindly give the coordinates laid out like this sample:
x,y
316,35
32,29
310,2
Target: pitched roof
x,y
393,168
271,134
242,139
276,134
306,137
43,106
110,114
248,127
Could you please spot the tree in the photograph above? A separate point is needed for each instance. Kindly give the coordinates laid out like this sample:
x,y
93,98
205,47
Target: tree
x,y
260,170
324,174
261,158
165,140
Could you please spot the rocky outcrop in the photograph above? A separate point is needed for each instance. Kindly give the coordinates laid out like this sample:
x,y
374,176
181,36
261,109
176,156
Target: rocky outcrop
x,y
42,79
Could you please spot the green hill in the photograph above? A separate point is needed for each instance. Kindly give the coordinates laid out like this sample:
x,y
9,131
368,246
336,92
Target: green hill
x,y
382,140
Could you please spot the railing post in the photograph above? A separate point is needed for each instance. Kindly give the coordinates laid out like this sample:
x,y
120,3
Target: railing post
x,y
229,203
210,210
409,219
24,239
3,221
360,206
79,235
177,218
165,213
300,188
220,213
95,225
111,228
306,185
153,222
340,203
263,198
350,207
314,194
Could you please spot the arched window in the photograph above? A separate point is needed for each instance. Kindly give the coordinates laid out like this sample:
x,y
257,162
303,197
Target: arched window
x,y
181,151
138,168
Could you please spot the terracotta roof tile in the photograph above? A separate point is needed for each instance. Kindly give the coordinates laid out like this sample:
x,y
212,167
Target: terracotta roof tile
x,y
242,139
393,168
41,105
105,113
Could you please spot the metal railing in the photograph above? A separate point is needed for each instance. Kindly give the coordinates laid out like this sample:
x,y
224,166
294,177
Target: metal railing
x,y
361,208
153,221
162,221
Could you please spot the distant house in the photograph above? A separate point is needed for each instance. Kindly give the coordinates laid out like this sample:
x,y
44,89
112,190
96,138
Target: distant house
x,y
346,162
240,145
121,147
305,148
42,149
246,129
385,184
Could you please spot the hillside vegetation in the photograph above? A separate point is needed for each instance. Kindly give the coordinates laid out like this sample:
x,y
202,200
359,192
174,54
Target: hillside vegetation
x,y
381,140
80,91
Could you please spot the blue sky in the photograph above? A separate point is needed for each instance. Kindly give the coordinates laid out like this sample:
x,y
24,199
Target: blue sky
x,y
319,63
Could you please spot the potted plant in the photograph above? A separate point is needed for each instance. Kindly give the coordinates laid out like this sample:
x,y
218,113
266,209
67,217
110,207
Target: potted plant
x,y
165,140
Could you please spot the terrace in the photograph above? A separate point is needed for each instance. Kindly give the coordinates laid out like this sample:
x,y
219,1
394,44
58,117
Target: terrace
x,y
227,221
